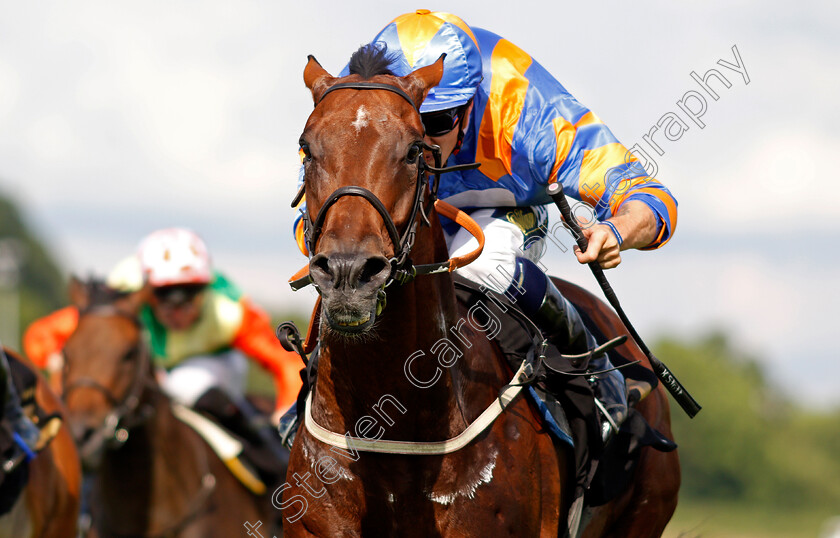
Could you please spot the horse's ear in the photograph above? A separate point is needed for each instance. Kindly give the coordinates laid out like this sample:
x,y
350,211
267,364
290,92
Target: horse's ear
x,y
418,83
316,78
78,291
135,300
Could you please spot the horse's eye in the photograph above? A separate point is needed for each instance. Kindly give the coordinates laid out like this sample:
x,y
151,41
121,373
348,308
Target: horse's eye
x,y
305,155
128,355
413,153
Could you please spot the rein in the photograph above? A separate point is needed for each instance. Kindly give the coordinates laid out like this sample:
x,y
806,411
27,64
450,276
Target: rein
x,y
402,269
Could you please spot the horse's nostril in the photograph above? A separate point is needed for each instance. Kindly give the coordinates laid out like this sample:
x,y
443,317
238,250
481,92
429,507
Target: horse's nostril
x,y
372,268
321,264
351,272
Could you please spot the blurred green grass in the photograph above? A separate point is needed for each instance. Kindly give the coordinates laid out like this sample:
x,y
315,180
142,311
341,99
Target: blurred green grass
x,y
716,519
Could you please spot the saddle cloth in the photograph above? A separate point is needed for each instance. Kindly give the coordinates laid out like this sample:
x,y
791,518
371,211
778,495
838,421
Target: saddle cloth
x,y
225,445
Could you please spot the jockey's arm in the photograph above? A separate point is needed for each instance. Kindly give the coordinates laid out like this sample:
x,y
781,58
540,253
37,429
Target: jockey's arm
x,y
45,337
256,339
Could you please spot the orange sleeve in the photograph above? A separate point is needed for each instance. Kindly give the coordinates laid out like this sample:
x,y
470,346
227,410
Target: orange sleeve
x,y
47,335
257,340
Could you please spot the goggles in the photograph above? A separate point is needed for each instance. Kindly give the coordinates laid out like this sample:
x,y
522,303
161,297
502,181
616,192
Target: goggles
x,y
441,122
178,294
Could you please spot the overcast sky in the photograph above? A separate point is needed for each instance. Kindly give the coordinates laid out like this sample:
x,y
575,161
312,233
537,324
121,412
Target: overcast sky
x,y
116,120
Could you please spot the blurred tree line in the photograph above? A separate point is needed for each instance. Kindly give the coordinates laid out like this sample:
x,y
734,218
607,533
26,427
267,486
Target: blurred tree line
x,y
750,444
37,280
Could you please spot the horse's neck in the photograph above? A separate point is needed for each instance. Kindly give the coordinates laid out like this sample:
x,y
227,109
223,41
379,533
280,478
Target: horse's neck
x,y
156,460
376,376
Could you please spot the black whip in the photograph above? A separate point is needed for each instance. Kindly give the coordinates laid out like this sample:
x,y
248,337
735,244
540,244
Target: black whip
x,y
689,404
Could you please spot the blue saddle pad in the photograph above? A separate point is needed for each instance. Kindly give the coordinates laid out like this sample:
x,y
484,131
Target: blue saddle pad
x,y
560,433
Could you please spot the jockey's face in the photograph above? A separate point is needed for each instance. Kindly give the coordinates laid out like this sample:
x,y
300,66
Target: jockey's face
x,y
447,141
177,311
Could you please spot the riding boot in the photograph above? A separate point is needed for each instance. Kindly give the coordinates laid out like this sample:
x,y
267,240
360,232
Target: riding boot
x,y
26,434
563,327
243,420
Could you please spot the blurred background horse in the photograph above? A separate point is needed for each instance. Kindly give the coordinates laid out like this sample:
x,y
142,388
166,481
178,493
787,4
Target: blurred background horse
x,y
153,474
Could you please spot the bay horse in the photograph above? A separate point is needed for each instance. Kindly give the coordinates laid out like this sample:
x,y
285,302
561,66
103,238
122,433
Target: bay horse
x,y
154,475
416,375
48,507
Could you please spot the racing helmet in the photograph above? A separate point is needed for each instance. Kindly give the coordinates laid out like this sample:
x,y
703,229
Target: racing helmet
x,y
174,256
417,39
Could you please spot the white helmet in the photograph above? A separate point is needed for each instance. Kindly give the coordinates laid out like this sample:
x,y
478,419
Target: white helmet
x,y
174,256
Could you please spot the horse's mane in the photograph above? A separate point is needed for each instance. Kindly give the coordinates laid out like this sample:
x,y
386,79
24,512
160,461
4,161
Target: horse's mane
x,y
371,60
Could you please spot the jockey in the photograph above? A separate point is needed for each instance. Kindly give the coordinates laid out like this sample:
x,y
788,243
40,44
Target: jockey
x,y
497,106
200,328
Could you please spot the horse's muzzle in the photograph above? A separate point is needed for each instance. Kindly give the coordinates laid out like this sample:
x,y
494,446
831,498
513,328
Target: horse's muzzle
x,y
349,285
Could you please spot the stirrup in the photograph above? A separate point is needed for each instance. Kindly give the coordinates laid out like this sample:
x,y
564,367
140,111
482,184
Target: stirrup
x,y
582,359
609,424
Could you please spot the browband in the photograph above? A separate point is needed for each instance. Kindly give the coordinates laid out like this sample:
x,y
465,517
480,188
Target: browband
x,y
368,86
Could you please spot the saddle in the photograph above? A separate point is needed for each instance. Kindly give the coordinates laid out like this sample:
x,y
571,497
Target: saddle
x,y
237,431
228,447
14,471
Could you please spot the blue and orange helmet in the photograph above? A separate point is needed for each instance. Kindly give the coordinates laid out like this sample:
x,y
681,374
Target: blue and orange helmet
x,y
417,39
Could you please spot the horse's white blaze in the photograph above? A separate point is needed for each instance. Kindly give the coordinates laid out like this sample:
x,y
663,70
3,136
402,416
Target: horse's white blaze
x,y
485,476
361,119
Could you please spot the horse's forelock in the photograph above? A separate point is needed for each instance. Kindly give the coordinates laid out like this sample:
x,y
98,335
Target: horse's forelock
x,y
371,60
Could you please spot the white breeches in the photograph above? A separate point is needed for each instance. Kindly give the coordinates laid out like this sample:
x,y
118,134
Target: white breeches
x,y
504,242
186,382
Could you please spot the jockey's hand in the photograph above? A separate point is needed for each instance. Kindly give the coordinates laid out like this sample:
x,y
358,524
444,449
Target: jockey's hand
x,y
603,247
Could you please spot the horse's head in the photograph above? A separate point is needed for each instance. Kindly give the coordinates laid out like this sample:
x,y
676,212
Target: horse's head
x,y
105,366
363,155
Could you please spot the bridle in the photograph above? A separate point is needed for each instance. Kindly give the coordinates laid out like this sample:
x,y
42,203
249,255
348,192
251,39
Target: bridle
x,y
402,268
126,412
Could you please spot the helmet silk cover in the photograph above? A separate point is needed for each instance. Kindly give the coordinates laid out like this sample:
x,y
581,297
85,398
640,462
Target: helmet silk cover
x,y
415,40
174,256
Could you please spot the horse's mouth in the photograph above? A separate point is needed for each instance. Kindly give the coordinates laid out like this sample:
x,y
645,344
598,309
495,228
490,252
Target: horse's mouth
x,y
350,323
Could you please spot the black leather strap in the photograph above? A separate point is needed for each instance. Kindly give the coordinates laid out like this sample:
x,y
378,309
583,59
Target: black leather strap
x,y
352,190
368,86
